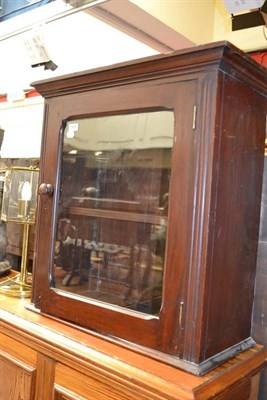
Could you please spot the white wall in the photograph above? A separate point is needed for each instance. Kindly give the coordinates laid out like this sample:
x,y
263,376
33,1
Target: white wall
x,y
76,42
22,122
192,18
246,39
204,21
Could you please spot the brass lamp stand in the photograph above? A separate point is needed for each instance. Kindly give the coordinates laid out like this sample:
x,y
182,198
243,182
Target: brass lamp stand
x,y
19,206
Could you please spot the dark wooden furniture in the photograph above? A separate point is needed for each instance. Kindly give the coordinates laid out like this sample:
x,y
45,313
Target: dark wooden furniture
x,y
42,359
217,96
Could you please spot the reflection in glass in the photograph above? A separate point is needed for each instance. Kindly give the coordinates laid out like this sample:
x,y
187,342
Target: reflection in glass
x,y
113,208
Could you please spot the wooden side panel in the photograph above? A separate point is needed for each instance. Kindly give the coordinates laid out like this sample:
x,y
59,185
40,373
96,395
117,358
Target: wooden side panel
x,y
17,370
233,246
17,379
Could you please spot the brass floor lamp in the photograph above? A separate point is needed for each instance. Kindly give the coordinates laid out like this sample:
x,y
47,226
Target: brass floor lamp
x,y
19,206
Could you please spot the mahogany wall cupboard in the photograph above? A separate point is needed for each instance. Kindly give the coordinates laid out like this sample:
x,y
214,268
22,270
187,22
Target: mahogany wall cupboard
x,y
148,219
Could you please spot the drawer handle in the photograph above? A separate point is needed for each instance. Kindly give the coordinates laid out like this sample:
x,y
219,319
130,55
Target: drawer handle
x,y
46,189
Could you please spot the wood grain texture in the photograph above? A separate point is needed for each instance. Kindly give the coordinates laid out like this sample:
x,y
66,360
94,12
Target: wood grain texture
x,y
229,58
73,364
17,370
45,377
16,383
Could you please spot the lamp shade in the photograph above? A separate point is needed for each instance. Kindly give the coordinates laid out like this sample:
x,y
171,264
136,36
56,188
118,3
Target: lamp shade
x,y
19,196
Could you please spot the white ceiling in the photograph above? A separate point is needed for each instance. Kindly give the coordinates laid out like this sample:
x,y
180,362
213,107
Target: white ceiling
x,y
75,41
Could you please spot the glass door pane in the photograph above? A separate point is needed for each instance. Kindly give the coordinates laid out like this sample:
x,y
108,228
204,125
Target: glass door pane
x,y
113,209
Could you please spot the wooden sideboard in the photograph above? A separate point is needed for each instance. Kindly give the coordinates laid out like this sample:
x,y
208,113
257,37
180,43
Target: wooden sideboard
x,y
43,359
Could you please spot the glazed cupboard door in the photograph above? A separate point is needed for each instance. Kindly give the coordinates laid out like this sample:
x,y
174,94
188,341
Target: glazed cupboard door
x,y
114,166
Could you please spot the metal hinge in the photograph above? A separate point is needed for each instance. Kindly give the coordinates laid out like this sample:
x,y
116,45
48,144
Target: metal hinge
x,y
181,313
194,117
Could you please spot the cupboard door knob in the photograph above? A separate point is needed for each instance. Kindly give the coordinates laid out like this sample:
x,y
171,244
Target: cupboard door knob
x,y
46,189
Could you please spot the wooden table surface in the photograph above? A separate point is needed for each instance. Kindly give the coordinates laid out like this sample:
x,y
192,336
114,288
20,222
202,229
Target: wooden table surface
x,y
61,341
